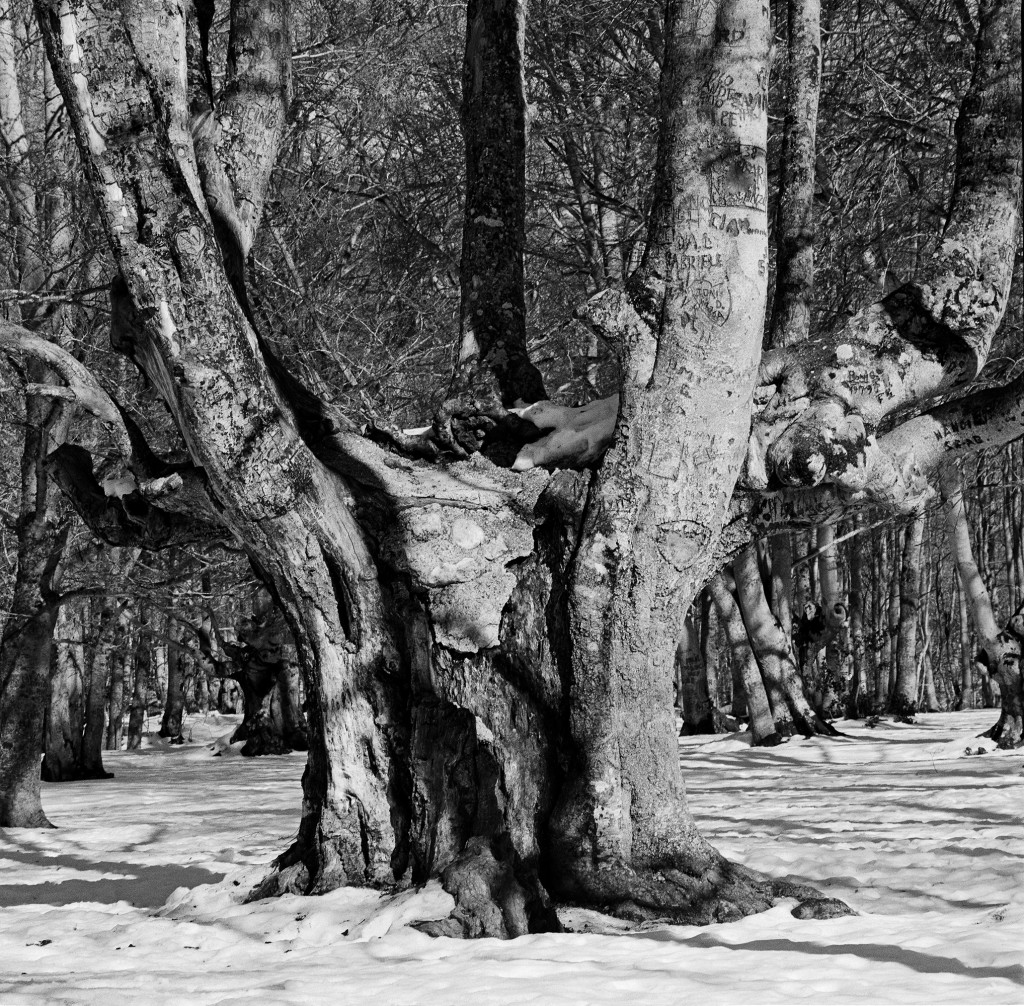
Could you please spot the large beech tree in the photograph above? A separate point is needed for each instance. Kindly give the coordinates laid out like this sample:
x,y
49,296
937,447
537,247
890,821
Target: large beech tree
x,y
487,613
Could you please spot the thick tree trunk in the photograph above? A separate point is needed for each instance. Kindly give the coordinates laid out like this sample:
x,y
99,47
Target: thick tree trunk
x,y
621,833
489,673
27,639
272,722
25,655
1008,732
65,722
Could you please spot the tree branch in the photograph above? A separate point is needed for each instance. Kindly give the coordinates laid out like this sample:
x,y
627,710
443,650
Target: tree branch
x,y
126,520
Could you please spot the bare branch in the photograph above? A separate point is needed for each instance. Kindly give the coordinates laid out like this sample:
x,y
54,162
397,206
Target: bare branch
x,y
82,385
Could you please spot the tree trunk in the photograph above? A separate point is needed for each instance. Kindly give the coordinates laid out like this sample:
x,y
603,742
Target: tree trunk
x,y
972,585
965,699
140,691
489,666
795,266
903,701
170,724
115,702
62,760
762,724
831,680
895,579
858,702
96,696
27,639
774,653
1008,732
696,703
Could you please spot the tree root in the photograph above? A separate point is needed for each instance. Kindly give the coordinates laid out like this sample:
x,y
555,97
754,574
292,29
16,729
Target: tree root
x,y
723,892
492,896
498,896
1007,732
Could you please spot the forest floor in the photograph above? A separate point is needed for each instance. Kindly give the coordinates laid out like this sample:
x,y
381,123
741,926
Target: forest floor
x,y
136,897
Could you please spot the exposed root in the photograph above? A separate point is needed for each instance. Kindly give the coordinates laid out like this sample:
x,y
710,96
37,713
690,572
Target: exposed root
x,y
724,892
822,908
493,897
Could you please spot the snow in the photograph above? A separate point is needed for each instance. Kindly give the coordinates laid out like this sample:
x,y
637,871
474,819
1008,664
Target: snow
x,y
137,895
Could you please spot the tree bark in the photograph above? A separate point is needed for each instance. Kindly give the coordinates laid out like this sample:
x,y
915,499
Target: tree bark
x,y
903,700
96,695
488,653
795,263
66,714
972,585
141,671
832,680
695,700
774,652
858,700
27,639
762,724
115,701
493,309
174,708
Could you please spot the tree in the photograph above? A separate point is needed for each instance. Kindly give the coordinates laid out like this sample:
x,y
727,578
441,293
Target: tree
x,y
488,650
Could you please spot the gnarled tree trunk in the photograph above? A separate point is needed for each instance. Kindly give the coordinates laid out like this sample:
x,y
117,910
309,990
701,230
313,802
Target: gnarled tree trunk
x,y
488,652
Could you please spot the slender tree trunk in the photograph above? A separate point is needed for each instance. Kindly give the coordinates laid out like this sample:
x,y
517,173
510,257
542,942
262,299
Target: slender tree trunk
x,y
698,708
115,704
174,706
895,578
903,701
795,268
96,696
858,702
965,700
773,650
762,724
493,310
832,678
170,725
141,673
782,580
972,583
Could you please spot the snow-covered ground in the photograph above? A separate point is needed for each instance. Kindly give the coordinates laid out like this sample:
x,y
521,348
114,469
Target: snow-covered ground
x,y
136,897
